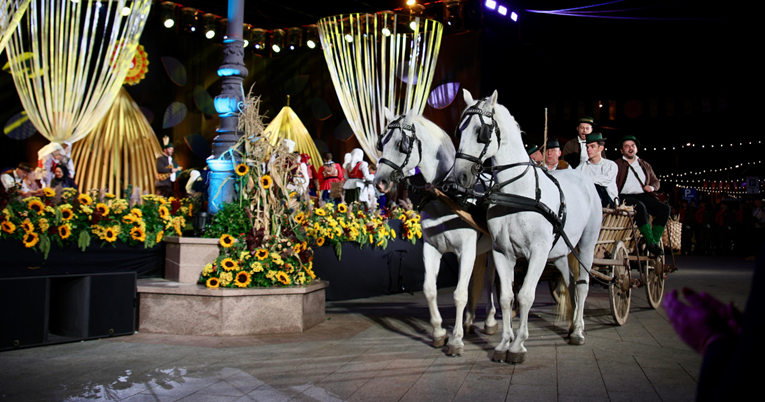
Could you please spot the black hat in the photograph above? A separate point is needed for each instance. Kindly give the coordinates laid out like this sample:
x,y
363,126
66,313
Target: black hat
x,y
629,138
587,119
553,143
25,167
532,148
594,137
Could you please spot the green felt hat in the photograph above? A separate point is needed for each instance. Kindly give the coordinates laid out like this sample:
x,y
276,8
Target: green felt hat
x,y
532,148
594,137
587,119
629,138
168,145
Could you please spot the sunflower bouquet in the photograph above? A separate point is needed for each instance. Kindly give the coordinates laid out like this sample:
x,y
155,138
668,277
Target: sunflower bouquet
x,y
410,221
71,216
337,224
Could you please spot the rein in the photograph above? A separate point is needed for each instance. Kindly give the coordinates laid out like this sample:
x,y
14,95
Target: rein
x,y
406,149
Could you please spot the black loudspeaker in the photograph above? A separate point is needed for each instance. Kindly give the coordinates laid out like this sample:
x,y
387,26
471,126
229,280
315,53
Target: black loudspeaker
x,y
112,305
23,322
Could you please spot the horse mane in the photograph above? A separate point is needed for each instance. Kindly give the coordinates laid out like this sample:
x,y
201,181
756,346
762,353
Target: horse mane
x,y
435,132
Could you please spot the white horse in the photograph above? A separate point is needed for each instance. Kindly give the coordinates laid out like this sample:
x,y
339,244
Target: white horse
x,y
409,141
487,130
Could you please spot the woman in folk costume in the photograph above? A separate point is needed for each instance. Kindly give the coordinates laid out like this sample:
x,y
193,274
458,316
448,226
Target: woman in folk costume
x,y
330,172
52,155
350,188
362,178
313,175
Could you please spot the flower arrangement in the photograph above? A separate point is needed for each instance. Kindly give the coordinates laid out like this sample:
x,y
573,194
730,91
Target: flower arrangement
x,y
71,216
410,220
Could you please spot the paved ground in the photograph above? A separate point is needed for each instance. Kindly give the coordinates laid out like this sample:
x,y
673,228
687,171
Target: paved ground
x,y
379,350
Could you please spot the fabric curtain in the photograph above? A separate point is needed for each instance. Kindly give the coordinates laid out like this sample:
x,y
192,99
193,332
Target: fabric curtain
x,y
80,54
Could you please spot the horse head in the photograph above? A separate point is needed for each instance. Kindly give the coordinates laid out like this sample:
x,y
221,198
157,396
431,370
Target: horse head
x,y
401,150
479,135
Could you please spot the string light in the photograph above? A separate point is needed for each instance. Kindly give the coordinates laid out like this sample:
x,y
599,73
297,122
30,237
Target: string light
x,y
740,165
691,145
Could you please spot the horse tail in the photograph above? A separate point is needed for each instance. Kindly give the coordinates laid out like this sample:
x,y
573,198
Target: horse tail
x,y
564,311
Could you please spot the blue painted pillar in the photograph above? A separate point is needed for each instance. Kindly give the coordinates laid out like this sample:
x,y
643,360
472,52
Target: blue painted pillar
x,y
227,104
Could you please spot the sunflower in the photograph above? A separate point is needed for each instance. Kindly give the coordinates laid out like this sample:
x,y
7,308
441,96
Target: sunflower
x,y
160,235
102,209
266,181
320,241
320,212
227,241
109,195
67,214
129,218
300,218
283,278
8,227
164,213
110,235
137,234
37,206
49,192
241,170
84,199
261,254
64,231
27,226
342,208
137,212
242,279
213,283
30,239
229,265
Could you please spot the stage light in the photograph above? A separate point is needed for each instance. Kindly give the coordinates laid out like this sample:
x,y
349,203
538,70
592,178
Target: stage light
x,y
386,31
348,38
502,10
167,14
211,22
491,4
294,38
410,2
413,25
453,14
189,19
514,16
311,36
125,11
259,38
277,40
246,34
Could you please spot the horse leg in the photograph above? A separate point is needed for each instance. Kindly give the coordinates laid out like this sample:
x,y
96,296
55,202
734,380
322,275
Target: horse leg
x,y
474,294
505,266
467,258
537,261
586,254
490,325
432,260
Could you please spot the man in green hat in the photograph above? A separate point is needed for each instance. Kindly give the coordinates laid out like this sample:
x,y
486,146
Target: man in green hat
x,y
166,168
534,153
573,148
601,170
635,181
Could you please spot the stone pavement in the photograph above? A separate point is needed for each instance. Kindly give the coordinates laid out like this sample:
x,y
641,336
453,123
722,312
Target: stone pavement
x,y
378,349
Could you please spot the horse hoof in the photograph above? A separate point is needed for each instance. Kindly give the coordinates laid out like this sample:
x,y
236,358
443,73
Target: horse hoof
x,y
516,358
454,351
490,329
576,340
440,342
469,329
499,357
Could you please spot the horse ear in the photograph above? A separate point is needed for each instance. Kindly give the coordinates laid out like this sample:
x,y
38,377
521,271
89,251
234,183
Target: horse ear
x,y
468,98
493,99
388,114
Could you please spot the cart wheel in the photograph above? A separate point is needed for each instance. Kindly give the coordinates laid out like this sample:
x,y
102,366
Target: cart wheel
x,y
654,274
620,290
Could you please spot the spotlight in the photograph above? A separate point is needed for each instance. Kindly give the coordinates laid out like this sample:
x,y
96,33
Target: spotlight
x,y
294,38
502,10
413,25
189,19
277,40
491,4
259,38
167,13
514,16
386,31
125,11
246,34
211,23
453,14
410,2
311,36
348,38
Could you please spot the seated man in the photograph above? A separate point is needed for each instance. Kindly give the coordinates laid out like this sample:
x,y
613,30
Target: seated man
x,y
602,171
534,153
552,156
14,179
635,181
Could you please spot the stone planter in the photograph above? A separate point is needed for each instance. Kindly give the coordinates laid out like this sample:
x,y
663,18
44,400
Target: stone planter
x,y
185,257
188,309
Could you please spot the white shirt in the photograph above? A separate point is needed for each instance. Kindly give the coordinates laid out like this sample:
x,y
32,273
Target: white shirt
x,y
631,184
193,177
11,179
602,173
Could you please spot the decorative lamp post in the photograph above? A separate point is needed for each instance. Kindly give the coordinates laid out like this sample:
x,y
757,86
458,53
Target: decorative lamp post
x,y
224,157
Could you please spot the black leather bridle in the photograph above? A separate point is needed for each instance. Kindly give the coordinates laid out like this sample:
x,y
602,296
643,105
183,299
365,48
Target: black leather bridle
x,y
405,146
484,133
